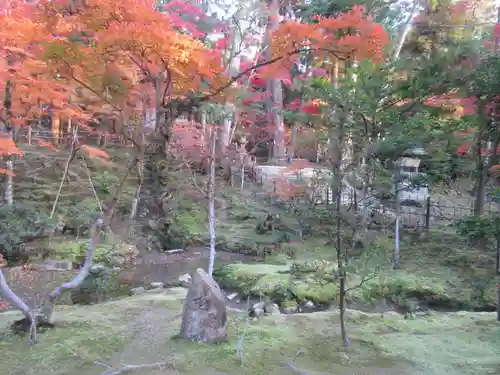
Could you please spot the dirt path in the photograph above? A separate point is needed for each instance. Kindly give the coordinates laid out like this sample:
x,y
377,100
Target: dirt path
x,y
147,346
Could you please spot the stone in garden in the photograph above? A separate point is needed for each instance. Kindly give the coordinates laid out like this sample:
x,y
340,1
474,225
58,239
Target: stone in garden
x,y
156,285
175,251
272,309
256,312
232,296
186,278
205,315
138,290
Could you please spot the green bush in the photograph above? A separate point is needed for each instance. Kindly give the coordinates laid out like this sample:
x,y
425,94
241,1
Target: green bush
x,y
75,250
105,182
101,284
80,214
19,224
477,228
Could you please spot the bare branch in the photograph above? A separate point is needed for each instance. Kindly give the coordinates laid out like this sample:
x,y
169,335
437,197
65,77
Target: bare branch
x,y
269,62
294,368
365,279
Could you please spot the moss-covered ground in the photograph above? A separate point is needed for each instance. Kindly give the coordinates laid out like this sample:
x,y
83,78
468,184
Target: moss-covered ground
x,y
442,273
454,343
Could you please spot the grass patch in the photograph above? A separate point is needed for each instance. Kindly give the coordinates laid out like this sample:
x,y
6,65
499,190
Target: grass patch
x,y
81,336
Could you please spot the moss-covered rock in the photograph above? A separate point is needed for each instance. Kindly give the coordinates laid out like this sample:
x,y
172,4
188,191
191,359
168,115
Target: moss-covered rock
x,y
317,281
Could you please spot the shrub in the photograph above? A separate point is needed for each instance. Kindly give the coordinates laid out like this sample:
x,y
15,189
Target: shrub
x,y
477,228
19,224
101,284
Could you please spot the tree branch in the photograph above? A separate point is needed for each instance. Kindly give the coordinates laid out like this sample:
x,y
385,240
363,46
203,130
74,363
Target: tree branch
x,y
294,368
265,63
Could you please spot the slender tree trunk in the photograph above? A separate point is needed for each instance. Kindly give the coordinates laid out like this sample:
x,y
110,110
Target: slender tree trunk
x,y
137,195
9,181
211,201
480,175
140,142
398,45
396,257
275,102
9,159
233,63
13,297
337,142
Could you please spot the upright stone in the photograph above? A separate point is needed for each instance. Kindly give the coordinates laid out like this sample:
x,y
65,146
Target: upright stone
x,y
205,316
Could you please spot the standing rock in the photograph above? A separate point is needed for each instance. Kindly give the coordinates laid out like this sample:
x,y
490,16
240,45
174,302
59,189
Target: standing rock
x,y
156,285
205,316
272,308
186,278
138,290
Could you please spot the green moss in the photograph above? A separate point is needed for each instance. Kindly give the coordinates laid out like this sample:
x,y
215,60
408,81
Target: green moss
x,y
280,283
74,250
191,221
454,343
245,277
316,292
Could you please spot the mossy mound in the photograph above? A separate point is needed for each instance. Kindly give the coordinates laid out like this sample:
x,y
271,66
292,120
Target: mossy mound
x,y
300,282
317,281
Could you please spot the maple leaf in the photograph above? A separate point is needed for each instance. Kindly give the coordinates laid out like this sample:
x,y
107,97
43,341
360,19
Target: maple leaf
x,y
45,144
7,146
7,172
95,152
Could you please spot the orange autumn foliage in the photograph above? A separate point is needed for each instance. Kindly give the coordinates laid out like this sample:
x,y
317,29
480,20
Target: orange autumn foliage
x,y
350,35
7,146
95,152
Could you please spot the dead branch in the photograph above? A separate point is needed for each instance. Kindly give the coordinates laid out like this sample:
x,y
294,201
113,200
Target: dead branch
x,y
128,368
294,368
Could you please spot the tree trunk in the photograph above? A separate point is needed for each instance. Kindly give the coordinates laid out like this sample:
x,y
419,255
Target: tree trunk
x,y
17,302
341,264
480,175
9,181
137,195
233,63
396,257
9,159
406,27
211,201
48,304
275,102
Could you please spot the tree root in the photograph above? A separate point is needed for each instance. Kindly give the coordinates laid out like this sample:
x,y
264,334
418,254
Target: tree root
x,y
27,326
